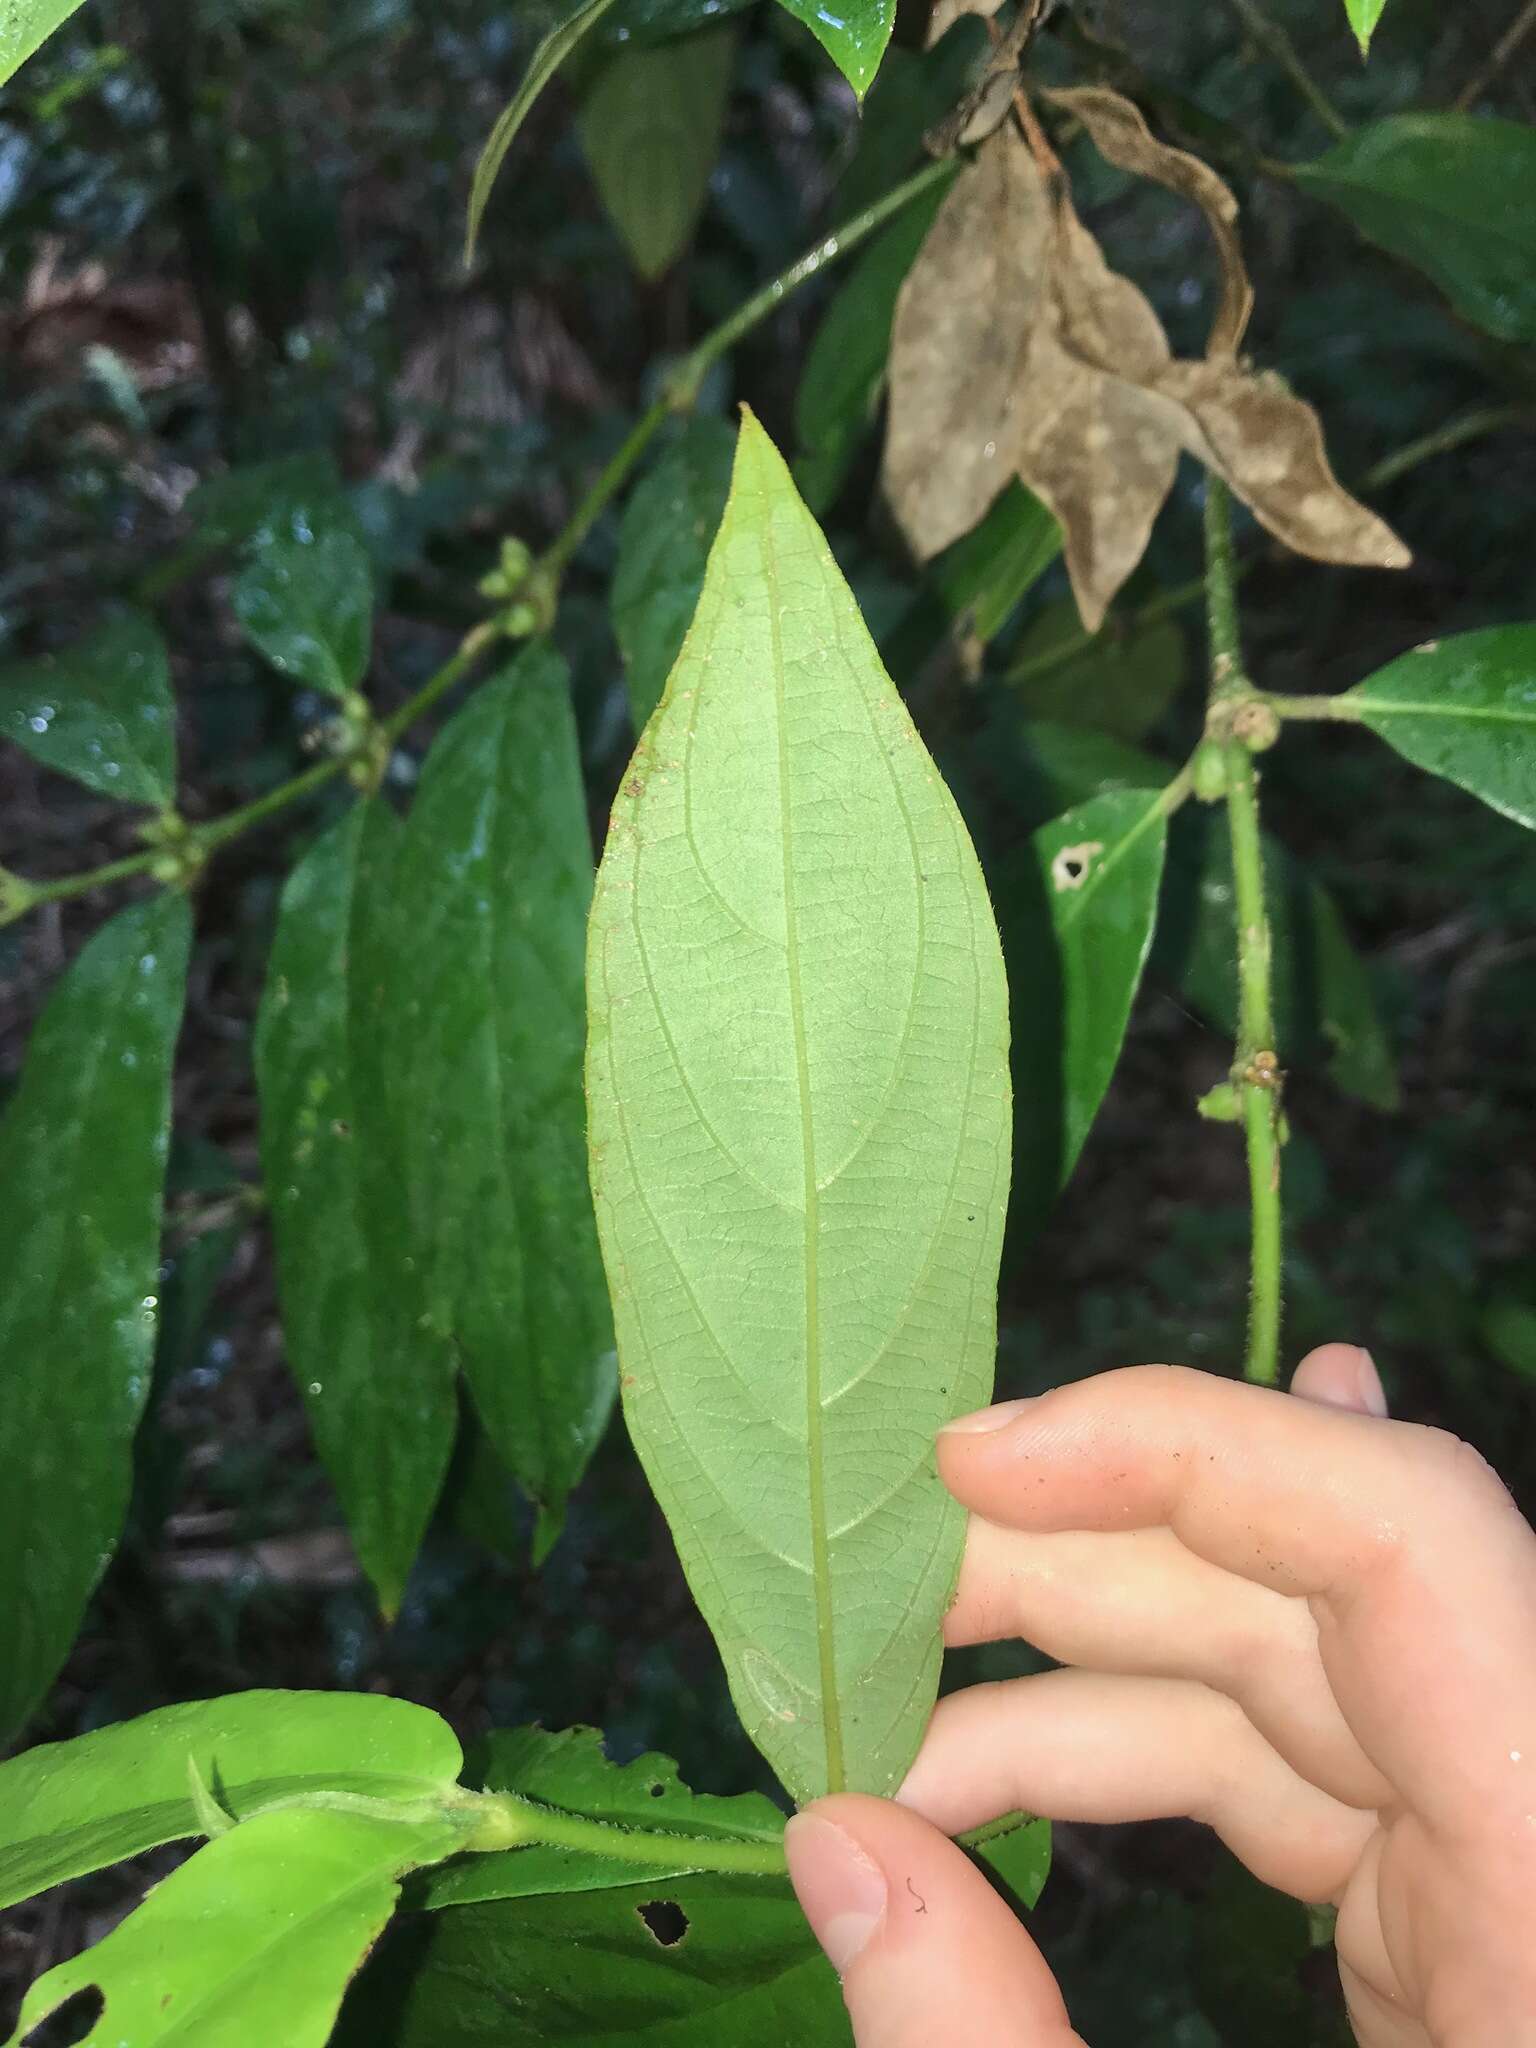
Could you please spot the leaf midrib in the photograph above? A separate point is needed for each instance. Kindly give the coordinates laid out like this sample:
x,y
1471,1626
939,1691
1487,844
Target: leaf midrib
x,y
821,1575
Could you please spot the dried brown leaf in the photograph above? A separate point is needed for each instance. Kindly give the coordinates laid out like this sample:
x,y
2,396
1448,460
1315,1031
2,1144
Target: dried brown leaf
x,y
1253,430
963,320
1091,445
1121,134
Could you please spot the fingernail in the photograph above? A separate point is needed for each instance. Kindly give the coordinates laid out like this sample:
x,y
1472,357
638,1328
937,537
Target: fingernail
x,y
841,1890
985,1420
1368,1384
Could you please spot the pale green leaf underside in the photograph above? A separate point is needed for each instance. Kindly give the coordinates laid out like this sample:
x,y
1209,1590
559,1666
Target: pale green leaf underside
x,y
797,1072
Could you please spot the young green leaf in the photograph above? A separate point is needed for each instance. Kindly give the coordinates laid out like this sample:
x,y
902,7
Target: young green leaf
x,y
650,125
376,1374
71,1807
854,36
254,1940
1450,194
24,26
569,1772
664,542
82,1163
1078,923
797,1072
1363,17
1464,708
307,604
844,370
101,712
547,58
492,889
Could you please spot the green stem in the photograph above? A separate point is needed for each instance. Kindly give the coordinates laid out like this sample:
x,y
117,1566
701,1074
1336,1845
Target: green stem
x,y
1472,426
1255,1071
1343,709
510,1822
542,579
1279,45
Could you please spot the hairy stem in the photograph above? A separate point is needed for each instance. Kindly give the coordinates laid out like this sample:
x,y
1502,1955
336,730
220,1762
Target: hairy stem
x,y
510,1822
1256,1069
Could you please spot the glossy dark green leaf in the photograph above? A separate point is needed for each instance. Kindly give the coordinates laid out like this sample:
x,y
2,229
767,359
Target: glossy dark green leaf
x,y
650,125
82,1164
1078,915
853,33
1120,682
1464,708
286,498
664,542
24,26
570,1771
70,1807
494,880
1450,194
307,604
844,371
255,1940
377,1375
101,712
702,1961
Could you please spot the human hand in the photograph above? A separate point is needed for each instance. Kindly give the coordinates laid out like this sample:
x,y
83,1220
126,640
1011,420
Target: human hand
x,y
1313,1629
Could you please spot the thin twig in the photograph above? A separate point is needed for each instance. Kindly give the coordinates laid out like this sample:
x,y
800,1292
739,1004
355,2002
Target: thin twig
x,y
1503,50
19,895
1283,50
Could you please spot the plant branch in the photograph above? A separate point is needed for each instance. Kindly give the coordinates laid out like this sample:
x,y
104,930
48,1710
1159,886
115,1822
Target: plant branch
x,y
511,1822
1503,50
1256,1069
1471,426
1279,45
541,584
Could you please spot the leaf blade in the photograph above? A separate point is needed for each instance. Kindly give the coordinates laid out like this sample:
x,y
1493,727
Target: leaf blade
x,y
1464,709
828,1705
1363,17
25,26
256,1938
650,125
376,1375
1447,194
101,712
82,1160
854,38
67,1808
494,884
307,605
665,536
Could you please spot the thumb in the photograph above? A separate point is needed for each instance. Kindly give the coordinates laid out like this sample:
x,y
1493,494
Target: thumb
x,y
927,1951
